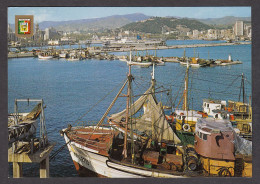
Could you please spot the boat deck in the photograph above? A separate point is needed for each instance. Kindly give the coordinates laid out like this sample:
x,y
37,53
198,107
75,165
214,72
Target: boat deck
x,y
100,140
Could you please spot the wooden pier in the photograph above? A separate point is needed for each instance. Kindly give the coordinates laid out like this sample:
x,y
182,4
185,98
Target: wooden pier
x,y
40,156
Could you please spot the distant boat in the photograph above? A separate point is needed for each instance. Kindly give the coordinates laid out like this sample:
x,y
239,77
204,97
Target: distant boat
x,y
62,55
139,63
44,56
144,64
73,59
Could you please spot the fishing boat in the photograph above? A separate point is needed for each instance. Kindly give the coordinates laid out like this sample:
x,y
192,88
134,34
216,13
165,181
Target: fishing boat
x,y
139,63
23,125
142,63
185,119
194,62
45,56
238,112
222,152
63,55
214,108
73,57
129,146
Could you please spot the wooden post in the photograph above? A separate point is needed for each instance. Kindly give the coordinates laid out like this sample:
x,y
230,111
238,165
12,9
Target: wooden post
x,y
44,168
17,169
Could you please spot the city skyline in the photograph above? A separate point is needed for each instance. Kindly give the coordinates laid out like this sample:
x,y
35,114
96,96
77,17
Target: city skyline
x,y
75,13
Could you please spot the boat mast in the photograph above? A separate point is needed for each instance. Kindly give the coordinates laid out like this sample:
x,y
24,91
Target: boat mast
x,y
153,93
243,88
185,94
127,110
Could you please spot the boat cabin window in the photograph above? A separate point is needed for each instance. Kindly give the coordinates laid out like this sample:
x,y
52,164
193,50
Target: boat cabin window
x,y
200,135
216,116
207,105
204,104
204,137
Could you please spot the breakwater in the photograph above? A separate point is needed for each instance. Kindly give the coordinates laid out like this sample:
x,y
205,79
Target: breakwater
x,y
127,49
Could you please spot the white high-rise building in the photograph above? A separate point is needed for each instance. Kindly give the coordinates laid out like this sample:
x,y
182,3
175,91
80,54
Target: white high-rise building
x,y
239,28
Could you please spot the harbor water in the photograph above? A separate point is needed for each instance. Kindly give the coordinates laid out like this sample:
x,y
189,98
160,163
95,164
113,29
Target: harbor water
x,y
71,89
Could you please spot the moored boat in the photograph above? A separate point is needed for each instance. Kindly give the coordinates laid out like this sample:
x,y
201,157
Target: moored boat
x,y
23,125
222,152
143,146
45,56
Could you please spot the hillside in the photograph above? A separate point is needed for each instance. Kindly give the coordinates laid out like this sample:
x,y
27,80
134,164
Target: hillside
x,y
228,20
154,25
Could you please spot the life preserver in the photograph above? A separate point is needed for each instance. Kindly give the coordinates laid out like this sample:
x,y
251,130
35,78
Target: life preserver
x,y
186,127
224,172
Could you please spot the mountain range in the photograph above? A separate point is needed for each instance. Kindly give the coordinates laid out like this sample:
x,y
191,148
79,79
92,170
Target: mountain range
x,y
110,22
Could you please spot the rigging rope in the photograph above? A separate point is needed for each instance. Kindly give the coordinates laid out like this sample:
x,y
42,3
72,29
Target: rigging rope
x,y
77,121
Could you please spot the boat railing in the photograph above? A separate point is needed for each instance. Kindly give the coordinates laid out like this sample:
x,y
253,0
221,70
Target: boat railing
x,y
92,143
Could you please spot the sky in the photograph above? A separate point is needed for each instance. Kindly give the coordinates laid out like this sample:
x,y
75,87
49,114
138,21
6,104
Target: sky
x,y
74,13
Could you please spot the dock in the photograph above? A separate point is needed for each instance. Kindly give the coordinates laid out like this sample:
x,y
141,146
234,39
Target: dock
x,y
123,49
29,148
27,155
20,55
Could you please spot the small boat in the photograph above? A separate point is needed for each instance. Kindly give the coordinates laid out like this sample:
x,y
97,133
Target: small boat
x,y
62,55
142,64
139,63
73,59
44,56
23,125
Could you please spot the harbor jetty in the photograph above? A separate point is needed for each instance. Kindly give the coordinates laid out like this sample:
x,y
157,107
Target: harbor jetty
x,y
105,49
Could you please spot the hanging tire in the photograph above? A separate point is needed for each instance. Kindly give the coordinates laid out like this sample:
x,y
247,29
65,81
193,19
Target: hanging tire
x,y
186,127
224,172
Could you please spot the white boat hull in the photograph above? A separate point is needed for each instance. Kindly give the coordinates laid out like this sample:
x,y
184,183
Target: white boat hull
x,y
63,55
139,64
195,65
45,57
91,160
77,59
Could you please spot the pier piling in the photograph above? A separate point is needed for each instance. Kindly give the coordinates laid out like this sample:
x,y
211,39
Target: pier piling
x,y
40,156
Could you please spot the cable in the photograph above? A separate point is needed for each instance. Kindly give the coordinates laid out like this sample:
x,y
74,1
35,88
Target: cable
x,y
96,104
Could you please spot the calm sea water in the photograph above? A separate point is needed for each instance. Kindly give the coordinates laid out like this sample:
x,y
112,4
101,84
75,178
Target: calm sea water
x,y
70,89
